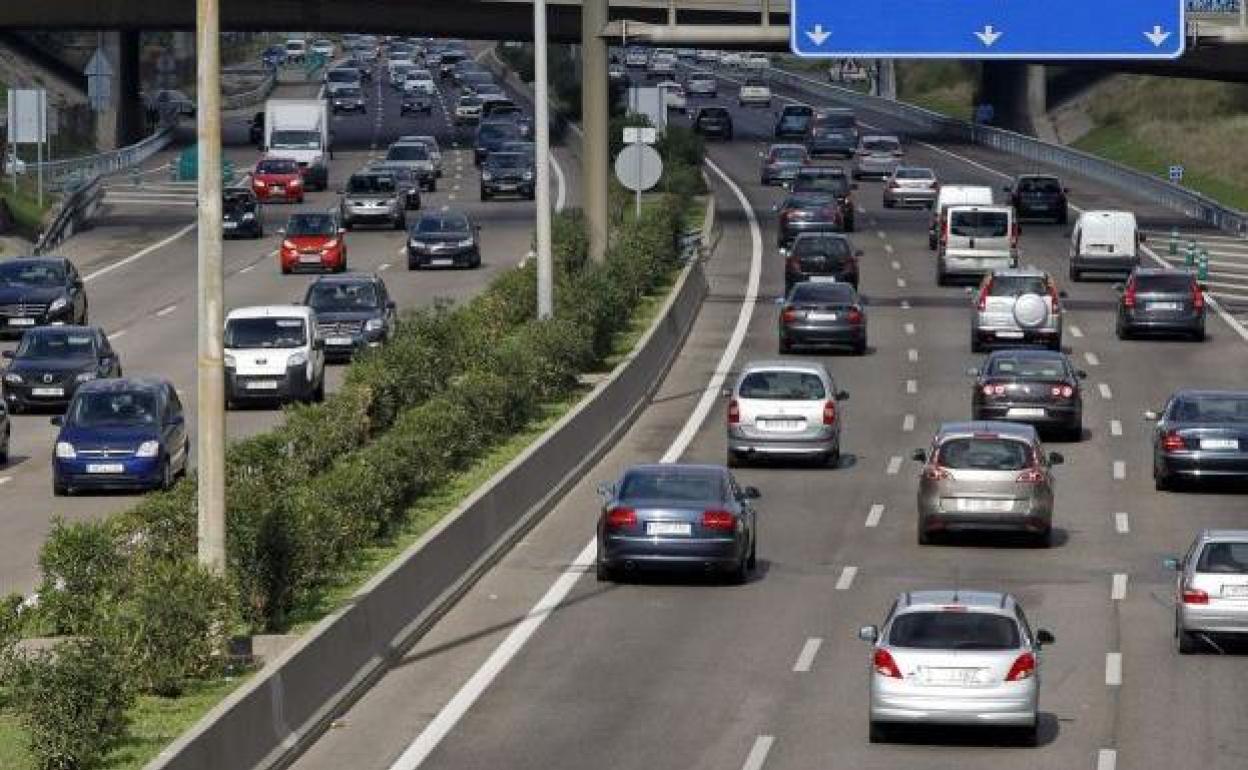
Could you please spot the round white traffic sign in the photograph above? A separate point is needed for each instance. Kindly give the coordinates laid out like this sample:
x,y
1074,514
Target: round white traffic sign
x,y
638,167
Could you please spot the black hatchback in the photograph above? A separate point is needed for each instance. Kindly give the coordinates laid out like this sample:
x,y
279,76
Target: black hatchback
x,y
827,255
240,213
1161,301
35,291
713,121
1036,196
1037,387
52,361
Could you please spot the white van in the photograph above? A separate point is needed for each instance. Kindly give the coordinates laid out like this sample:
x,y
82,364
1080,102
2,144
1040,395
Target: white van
x,y
273,353
955,195
1104,241
976,240
296,50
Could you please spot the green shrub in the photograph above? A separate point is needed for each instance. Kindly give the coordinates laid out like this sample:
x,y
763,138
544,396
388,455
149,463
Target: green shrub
x,y
81,564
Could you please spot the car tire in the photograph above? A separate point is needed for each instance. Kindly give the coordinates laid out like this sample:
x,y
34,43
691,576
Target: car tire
x,y
318,395
786,347
740,573
1043,539
734,460
890,204
1121,331
603,573
1162,482
751,562
877,732
832,459
1027,736
166,475
1185,641
859,348
400,223
412,264
1074,274
485,196
1055,344
60,490
4,448
348,225
1199,336
925,536
1075,431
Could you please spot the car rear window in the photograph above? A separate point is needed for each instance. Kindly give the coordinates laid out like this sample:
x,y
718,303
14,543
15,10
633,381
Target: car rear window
x,y
782,385
1168,283
827,293
408,152
839,120
1017,285
277,167
837,184
954,630
915,173
828,245
1039,185
671,485
370,183
1027,367
1211,409
984,454
790,154
979,224
1224,559
881,145
713,112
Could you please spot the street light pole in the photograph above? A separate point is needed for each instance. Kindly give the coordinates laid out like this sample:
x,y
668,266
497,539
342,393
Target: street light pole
x,y
541,120
210,372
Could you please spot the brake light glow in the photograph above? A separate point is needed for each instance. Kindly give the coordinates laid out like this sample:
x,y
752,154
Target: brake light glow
x,y
734,412
1024,668
621,517
829,412
1194,596
1062,391
1171,441
719,520
993,390
936,473
1030,476
1053,298
1128,296
854,316
788,315
984,291
884,664
1198,297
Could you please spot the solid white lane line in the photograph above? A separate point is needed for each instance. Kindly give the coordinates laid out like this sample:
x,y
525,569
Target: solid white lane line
x,y
1118,587
846,579
1107,759
894,465
561,196
1113,669
907,423
1115,427
912,354
166,311
909,328
247,269
1092,359
1120,470
119,333
912,386
1106,393
874,515
423,745
758,753
1076,332
5,480
384,266
89,277
807,656
1122,522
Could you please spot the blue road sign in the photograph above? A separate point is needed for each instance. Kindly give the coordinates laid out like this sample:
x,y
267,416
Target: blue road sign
x,y
1176,174
988,29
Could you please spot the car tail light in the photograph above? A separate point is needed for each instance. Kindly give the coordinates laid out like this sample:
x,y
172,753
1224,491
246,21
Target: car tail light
x,y
854,316
984,291
719,520
1194,596
734,412
793,265
1171,441
991,390
258,182
1014,231
829,412
1128,296
1024,668
289,245
884,664
936,473
944,232
621,517
1030,476
1053,298
893,184
1198,297
788,315
1062,391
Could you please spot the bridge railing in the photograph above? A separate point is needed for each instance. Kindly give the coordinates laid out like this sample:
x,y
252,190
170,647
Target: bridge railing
x,y
1155,189
59,174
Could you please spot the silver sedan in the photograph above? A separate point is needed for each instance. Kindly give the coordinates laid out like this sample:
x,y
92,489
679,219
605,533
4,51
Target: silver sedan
x,y
1211,590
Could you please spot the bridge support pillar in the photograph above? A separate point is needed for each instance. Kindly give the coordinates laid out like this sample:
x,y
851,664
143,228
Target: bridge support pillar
x,y
122,123
596,123
1016,92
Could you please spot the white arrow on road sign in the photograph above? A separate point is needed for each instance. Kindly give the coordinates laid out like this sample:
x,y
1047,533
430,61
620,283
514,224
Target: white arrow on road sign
x,y
818,34
988,35
99,66
1157,36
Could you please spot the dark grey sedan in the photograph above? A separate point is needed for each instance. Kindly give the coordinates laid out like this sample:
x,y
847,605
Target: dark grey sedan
x,y
677,516
819,313
1038,387
1201,435
1161,301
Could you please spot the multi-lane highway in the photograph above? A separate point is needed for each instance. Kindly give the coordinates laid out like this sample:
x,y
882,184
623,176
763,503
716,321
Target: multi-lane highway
x,y
671,673
138,262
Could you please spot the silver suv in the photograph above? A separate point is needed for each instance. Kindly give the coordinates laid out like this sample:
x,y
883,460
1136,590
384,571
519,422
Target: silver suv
x,y
1211,590
784,409
955,657
372,197
1017,306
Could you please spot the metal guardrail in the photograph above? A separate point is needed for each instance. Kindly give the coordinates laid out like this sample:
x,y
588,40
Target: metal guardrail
x,y
1213,6
254,96
1155,189
58,174
74,214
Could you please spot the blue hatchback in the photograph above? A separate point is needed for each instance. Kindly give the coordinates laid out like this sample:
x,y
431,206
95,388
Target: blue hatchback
x,y
120,434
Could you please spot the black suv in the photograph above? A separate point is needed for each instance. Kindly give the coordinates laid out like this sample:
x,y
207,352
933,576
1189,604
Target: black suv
x,y
354,312
714,121
240,213
833,181
36,291
507,173
1039,196
52,361
491,136
821,254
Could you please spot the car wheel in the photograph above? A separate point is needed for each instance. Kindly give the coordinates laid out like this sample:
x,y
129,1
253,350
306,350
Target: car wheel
x,y
925,536
319,394
740,573
4,448
60,490
485,196
752,562
1028,736
833,459
1199,335
1162,482
166,475
1121,331
877,732
1075,431
786,347
412,264
1043,539
348,225
400,223
1074,274
734,460
889,204
860,348
604,574
1185,641
1055,344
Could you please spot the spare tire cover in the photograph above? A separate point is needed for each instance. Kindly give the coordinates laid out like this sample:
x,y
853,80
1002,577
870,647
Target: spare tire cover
x,y
1031,311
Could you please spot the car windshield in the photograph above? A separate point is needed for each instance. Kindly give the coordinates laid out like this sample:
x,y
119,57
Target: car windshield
x,y
343,76
979,224
506,160
821,245
915,173
804,112
789,154
881,145
954,630
114,408
370,183
288,139
469,101
1164,283
495,132
348,93
1028,367
1215,409
311,224
277,167
1224,559
984,454
1017,285
236,200
408,152
797,122
676,484
837,184
442,224
838,121
715,113
782,385
335,296
810,201
823,293
56,344
1039,185
32,273
242,333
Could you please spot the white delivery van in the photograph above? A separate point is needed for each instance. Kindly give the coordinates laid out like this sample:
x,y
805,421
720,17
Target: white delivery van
x,y
976,240
955,195
273,354
298,129
1104,241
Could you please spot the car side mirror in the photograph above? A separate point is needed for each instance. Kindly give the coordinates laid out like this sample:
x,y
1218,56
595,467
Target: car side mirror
x,y
842,395
1172,563
919,456
1045,636
281,231
606,490
1063,294
972,372
342,231
58,420
390,304
751,493
318,344
7,354
1151,416
177,419
1119,288
1081,374
1056,458
869,633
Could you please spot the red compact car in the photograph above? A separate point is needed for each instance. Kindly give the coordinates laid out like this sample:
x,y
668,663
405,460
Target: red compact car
x,y
313,241
277,179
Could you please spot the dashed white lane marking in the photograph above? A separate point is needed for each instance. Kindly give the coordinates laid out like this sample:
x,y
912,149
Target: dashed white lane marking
x,y
1113,669
119,333
166,311
455,187
446,208
1122,522
881,234
247,269
5,480
1107,759
384,266
806,657
912,354
894,465
901,283
874,515
1076,332
905,304
912,386
1092,359
888,249
1115,427
862,209
1120,470
909,328
1118,587
846,579
1106,393
907,424
896,265
758,753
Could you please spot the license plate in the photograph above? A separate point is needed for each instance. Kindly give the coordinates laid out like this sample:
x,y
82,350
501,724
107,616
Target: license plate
x,y
338,341
442,262
781,424
231,225
1025,412
1009,335
309,259
948,675
977,505
821,316
278,190
47,391
1235,592
21,322
1163,306
506,186
1219,443
105,468
822,279
660,528
262,385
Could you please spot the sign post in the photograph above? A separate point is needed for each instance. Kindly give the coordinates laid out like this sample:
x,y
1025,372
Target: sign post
x,y
1176,174
28,124
637,137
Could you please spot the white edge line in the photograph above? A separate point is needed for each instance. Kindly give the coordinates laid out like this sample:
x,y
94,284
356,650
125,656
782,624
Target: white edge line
x,y
758,753
137,255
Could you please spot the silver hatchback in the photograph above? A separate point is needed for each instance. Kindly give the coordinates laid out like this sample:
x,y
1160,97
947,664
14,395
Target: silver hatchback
x,y
989,476
783,409
1019,306
1211,590
955,657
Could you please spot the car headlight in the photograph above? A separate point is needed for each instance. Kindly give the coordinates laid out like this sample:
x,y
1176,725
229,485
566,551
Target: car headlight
x,y
258,182
248,215
65,451
148,449
297,359
419,245
375,324
528,175
296,182
85,377
289,245
60,303
486,176
466,243
229,361
330,245
13,377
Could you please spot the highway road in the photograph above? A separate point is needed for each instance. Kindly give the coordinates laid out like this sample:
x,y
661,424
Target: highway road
x,y
139,261
671,673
